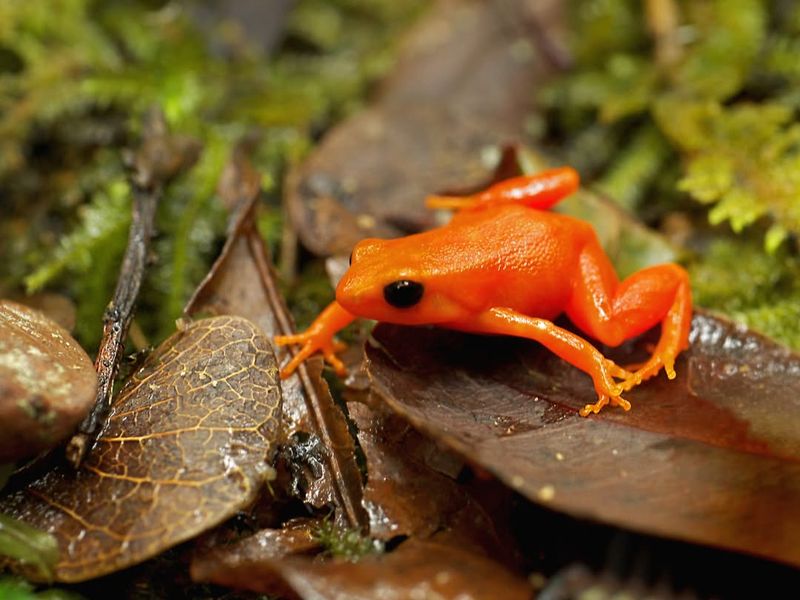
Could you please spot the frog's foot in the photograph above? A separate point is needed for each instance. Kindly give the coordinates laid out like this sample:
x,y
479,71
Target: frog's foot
x,y
651,368
608,390
603,400
312,342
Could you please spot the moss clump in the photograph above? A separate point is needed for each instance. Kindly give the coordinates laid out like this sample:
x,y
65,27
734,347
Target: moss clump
x,y
759,289
349,544
709,86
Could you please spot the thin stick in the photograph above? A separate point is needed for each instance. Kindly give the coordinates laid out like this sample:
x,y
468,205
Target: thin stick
x,y
158,160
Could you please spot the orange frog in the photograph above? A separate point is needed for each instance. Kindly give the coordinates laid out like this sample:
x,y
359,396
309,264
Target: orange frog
x,y
506,265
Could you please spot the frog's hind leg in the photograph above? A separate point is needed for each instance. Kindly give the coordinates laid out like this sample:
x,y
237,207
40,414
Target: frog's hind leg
x,y
539,191
569,346
614,311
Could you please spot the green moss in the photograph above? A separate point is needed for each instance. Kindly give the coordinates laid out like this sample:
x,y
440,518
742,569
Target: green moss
x,y
739,158
761,290
715,127
744,161
12,588
72,92
349,544
309,294
24,543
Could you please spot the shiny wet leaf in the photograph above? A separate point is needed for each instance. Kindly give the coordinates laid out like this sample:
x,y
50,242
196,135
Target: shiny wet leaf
x,y
710,457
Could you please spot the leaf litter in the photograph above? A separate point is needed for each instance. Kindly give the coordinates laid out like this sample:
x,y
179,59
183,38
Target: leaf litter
x,y
177,455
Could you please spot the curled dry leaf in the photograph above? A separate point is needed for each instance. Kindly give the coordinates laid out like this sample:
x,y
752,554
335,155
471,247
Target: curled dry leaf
x,y
47,382
710,457
416,569
242,283
463,84
186,446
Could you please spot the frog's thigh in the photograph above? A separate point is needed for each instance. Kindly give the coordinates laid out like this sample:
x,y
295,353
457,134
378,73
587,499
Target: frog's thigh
x,y
613,312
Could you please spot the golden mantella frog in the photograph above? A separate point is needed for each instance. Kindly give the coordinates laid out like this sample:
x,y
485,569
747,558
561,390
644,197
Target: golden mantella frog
x,y
505,265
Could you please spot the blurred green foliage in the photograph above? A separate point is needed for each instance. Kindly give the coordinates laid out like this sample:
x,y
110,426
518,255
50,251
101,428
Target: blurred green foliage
x,y
16,589
671,100
759,289
22,542
72,92
687,87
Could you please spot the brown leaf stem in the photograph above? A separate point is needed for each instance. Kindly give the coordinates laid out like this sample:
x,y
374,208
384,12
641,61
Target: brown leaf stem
x,y
159,158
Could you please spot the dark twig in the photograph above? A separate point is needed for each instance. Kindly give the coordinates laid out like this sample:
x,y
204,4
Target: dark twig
x,y
159,158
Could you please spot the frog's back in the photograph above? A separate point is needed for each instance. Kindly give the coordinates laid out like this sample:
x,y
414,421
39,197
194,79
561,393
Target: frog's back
x,y
510,256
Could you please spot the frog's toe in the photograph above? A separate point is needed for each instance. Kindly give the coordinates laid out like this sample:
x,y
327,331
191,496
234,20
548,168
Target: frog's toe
x,y
595,408
631,382
669,366
288,340
602,401
621,402
619,372
307,350
334,361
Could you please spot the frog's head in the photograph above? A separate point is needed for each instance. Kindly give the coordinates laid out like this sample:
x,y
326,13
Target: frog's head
x,y
391,281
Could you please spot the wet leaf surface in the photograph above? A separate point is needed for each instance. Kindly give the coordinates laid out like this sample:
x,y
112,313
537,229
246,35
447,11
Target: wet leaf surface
x,y
187,445
711,457
464,84
242,282
416,569
47,382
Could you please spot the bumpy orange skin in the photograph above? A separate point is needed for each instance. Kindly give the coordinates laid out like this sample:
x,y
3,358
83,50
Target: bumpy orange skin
x,y
505,265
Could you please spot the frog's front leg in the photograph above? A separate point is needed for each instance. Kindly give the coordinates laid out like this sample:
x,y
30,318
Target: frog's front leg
x,y
319,337
613,311
565,344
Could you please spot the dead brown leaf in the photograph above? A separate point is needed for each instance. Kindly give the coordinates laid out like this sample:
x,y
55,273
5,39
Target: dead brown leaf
x,y
47,382
268,544
711,457
416,569
464,84
186,446
242,282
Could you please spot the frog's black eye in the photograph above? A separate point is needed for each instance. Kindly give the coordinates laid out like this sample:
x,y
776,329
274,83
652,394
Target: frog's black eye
x,y
403,293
